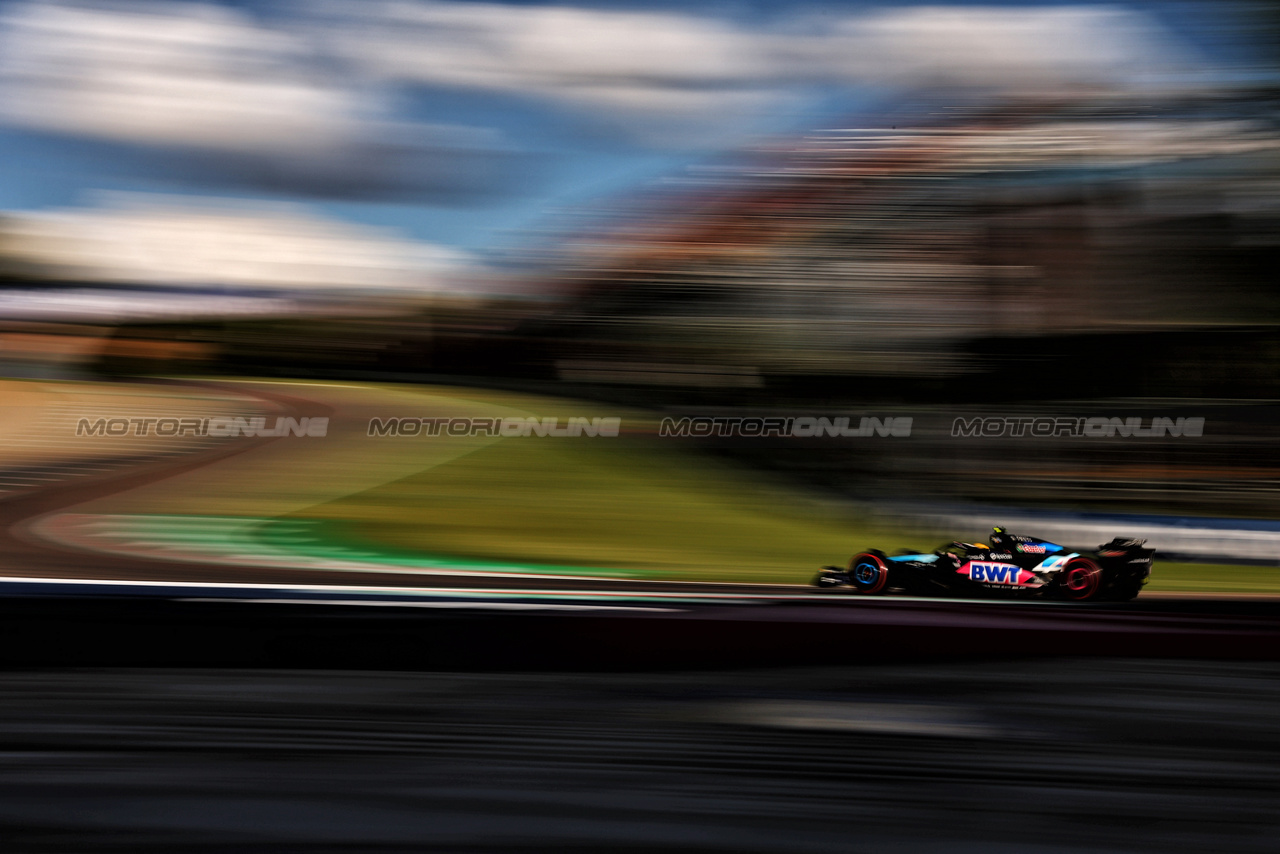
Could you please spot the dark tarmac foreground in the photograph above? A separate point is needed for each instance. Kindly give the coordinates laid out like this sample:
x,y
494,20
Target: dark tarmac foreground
x,y
1096,755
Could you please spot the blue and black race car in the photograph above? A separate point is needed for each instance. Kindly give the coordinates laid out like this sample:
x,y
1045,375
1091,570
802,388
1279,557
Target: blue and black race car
x,y
1012,565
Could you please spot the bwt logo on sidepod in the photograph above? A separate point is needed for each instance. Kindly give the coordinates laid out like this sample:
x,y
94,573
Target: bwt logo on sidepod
x,y
993,573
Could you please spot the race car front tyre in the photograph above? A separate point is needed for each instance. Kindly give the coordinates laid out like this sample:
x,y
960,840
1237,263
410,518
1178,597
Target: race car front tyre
x,y
868,573
1080,580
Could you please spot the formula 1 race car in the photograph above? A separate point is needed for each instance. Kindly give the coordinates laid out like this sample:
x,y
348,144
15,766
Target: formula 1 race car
x,y
1011,566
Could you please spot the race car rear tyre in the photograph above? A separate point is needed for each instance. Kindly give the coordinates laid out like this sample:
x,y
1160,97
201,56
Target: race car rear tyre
x,y
868,572
1080,580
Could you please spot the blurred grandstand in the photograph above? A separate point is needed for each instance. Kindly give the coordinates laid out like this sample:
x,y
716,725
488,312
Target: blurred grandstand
x,y
1112,250
1091,247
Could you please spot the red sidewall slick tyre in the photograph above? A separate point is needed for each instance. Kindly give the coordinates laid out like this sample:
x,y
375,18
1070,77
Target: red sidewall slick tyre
x,y
1081,580
868,573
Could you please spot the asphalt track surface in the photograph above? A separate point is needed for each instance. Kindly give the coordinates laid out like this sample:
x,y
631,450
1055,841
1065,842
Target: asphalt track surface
x,y
1045,757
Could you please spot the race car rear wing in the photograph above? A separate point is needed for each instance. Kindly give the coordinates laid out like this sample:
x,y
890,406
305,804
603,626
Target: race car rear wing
x,y
1123,543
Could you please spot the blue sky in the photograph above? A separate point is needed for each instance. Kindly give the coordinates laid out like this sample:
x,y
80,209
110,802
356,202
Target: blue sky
x,y
464,124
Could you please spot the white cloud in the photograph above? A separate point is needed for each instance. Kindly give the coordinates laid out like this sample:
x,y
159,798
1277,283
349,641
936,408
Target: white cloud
x,y
555,50
230,100
166,240
662,62
1004,47
183,74
316,79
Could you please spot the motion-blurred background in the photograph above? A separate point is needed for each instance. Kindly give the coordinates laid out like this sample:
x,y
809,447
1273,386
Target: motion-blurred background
x,y
934,211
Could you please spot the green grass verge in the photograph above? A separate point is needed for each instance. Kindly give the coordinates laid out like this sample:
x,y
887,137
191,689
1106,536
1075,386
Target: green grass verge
x,y
641,504
627,502
1212,578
